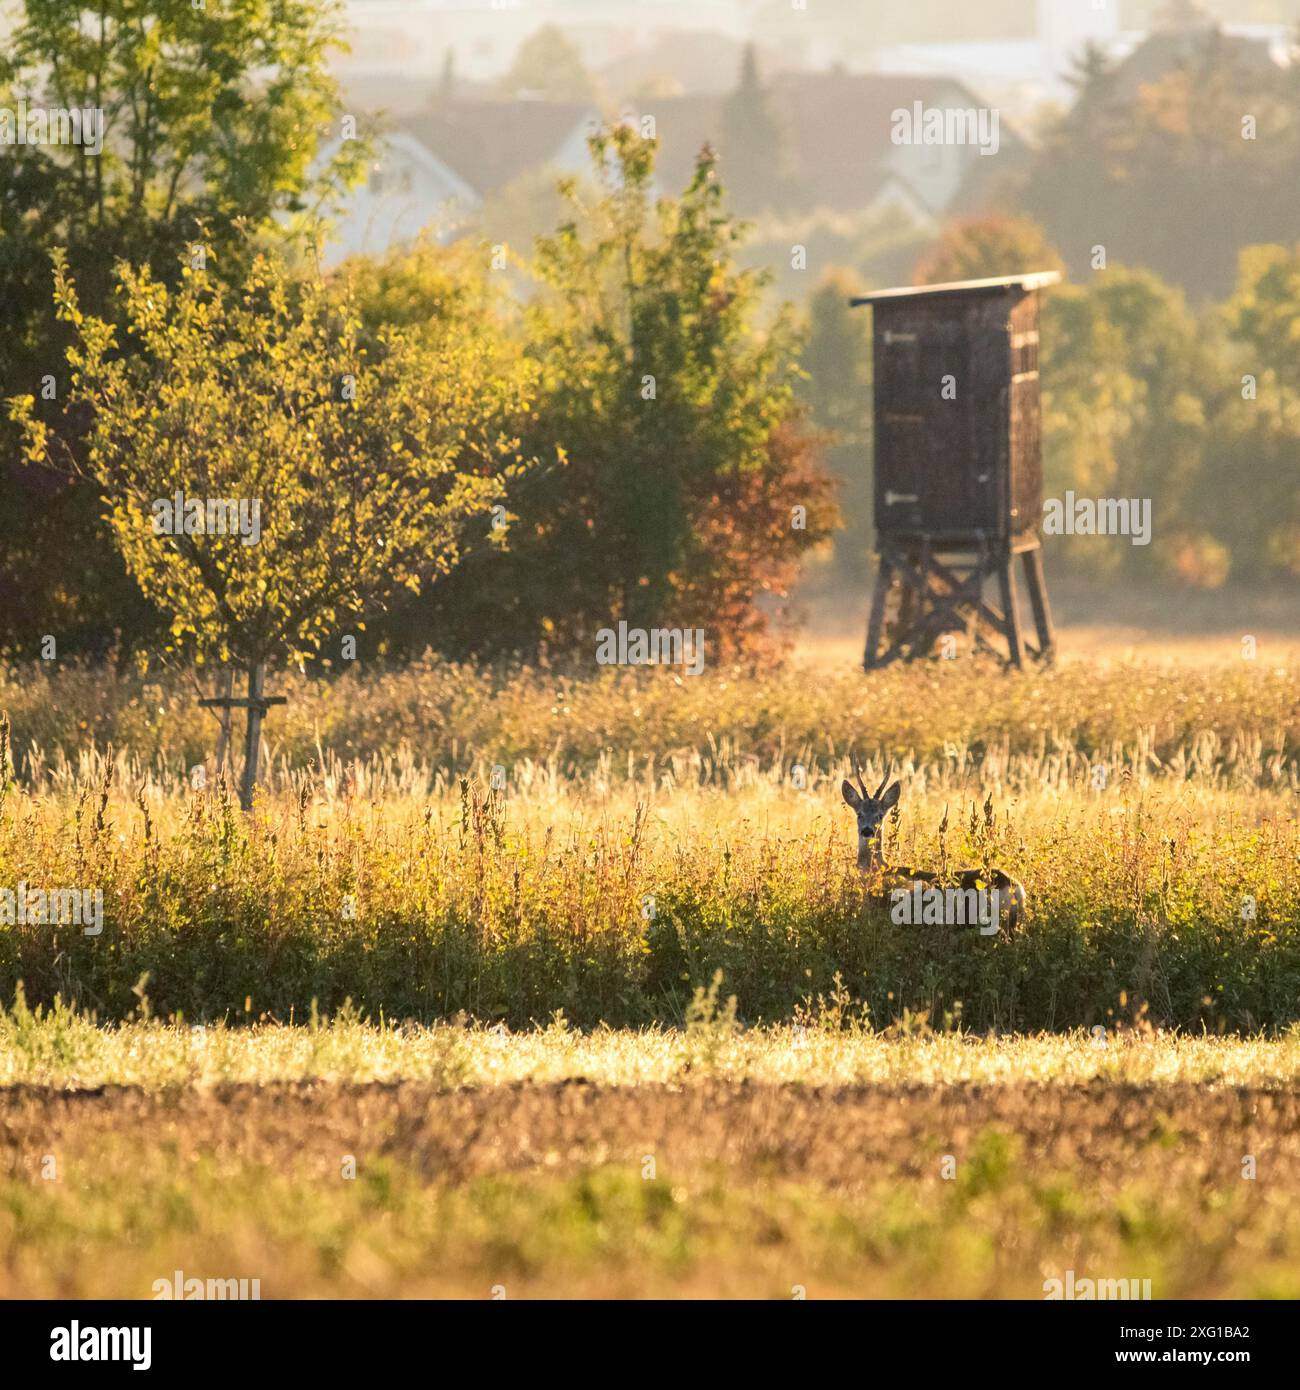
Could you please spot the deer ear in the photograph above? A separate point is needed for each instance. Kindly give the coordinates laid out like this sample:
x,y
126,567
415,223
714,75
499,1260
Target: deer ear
x,y
851,794
890,798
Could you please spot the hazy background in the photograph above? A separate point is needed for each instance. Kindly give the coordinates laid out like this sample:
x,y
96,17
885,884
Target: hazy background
x,y
1147,149
1119,126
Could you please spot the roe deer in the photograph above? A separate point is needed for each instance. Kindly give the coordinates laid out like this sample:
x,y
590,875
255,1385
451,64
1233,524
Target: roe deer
x,y
885,880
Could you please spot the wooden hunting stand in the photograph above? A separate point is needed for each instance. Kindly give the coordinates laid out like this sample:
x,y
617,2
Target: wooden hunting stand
x,y
257,704
958,467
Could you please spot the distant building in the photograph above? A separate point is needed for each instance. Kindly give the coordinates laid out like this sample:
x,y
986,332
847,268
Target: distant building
x,y
840,150
843,130
840,154
1019,74
408,191
433,171
491,143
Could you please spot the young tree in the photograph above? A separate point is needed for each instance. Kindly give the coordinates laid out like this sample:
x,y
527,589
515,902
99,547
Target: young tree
x,y
268,478
211,118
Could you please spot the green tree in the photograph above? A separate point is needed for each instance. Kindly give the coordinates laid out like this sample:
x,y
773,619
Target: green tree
x,y
1131,381
354,472
675,452
1212,145
211,120
1264,314
982,247
837,364
549,64
753,143
1252,491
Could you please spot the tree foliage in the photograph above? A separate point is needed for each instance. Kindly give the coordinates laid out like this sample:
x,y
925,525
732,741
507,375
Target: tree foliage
x,y
212,117
365,464
674,450
838,369
981,247
1176,174
1257,478
549,64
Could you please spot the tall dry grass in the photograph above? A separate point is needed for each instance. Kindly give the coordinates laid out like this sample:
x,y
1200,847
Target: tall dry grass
x,y
613,894
445,718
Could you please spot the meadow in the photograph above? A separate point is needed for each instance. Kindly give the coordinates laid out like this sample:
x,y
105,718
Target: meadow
x,y
604,847
435,717
521,984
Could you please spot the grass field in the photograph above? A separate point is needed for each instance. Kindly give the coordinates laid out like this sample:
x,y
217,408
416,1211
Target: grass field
x,y
625,1023
615,907
646,832
817,1160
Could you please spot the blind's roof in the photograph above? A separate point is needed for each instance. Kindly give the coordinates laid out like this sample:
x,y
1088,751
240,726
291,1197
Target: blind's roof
x,y
1031,280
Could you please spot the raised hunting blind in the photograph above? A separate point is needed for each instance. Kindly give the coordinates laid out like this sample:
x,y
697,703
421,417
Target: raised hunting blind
x,y
958,465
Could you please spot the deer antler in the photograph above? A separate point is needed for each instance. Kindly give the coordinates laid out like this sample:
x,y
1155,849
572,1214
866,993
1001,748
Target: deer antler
x,y
882,786
857,772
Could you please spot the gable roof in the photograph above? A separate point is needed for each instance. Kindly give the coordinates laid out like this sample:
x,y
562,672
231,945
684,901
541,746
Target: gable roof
x,y
435,169
490,143
840,125
837,126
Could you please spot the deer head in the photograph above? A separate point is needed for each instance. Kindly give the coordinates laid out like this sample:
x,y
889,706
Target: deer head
x,y
871,812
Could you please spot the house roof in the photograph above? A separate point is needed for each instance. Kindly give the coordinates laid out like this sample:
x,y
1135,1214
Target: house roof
x,y
423,157
837,125
684,126
399,95
837,129
1030,280
490,143
840,126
